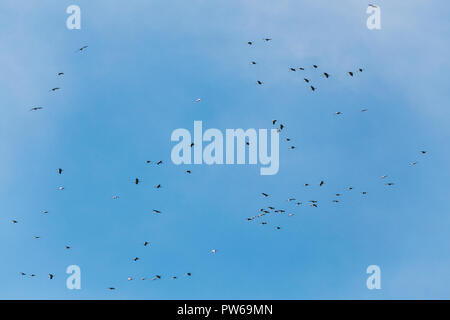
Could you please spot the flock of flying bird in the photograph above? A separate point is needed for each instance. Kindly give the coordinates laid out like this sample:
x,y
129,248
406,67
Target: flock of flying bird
x,y
136,181
312,203
262,212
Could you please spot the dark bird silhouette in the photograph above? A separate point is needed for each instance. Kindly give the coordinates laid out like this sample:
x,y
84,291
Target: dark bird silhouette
x,y
313,89
158,186
188,171
326,75
36,108
136,181
253,62
292,69
321,183
315,66
60,171
156,211
267,39
350,73
306,80
136,259
259,82
159,162
15,221
60,74
301,69
146,243
55,89
265,194
50,276
81,49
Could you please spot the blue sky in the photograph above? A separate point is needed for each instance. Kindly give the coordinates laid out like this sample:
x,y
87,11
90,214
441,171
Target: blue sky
x,y
121,99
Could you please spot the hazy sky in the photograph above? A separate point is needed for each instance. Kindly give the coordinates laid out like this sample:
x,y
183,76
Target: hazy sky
x,y
120,100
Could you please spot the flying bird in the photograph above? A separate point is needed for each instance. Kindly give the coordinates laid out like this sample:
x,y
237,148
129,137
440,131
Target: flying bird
x,y
60,74
326,75
259,82
81,49
36,108
321,183
55,89
60,171
265,194
350,73
50,276
312,88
